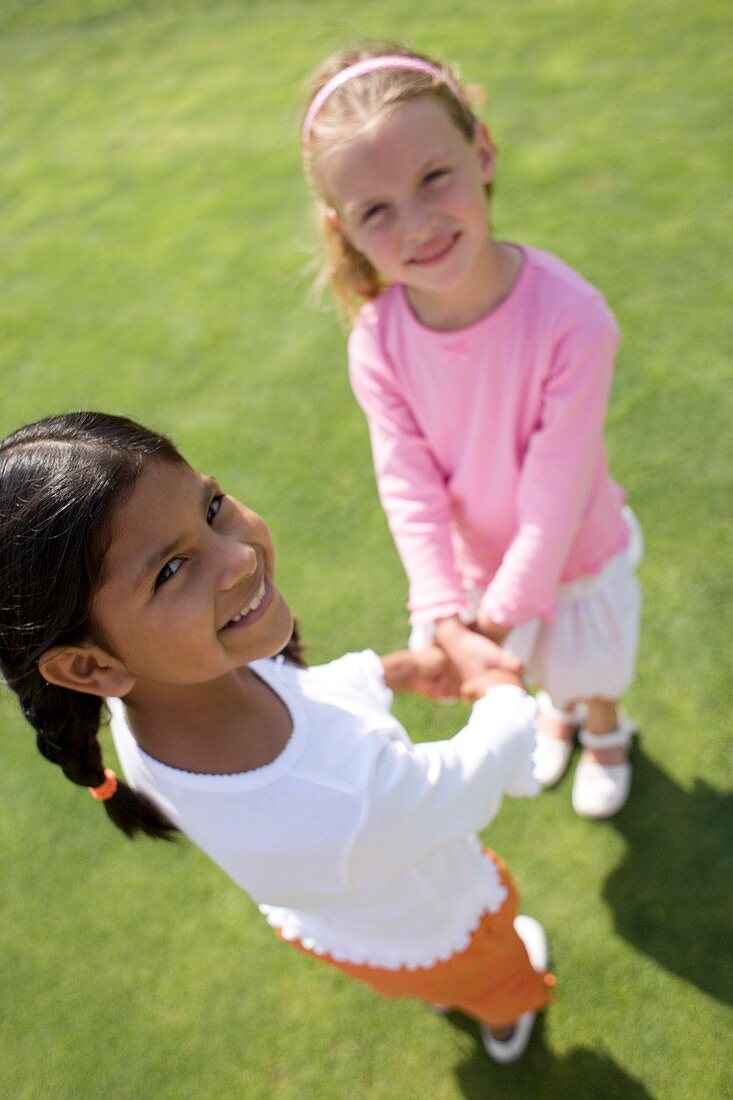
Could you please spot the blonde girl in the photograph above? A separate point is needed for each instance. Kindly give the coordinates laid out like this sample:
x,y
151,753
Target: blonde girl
x,y
125,575
483,368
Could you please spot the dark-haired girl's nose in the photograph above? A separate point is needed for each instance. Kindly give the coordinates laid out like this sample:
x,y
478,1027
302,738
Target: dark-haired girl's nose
x,y
239,561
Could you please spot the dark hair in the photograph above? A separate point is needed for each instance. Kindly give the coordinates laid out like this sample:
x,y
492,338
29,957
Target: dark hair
x,y
61,478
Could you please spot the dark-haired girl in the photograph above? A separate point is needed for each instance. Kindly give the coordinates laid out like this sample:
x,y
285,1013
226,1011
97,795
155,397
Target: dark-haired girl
x,y
126,575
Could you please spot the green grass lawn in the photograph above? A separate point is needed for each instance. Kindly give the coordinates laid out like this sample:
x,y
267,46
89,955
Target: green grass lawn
x,y
157,245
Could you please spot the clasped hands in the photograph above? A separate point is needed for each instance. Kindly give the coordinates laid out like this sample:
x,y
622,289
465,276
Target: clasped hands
x,y
463,662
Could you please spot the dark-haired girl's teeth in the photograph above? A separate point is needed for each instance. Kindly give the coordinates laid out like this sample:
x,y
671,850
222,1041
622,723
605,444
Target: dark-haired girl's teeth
x,y
250,607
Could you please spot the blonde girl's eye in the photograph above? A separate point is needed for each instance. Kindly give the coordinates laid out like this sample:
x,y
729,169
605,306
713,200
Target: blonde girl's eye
x,y
436,175
169,570
214,507
373,212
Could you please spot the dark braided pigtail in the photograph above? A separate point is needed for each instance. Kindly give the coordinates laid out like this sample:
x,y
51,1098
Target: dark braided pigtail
x,y
294,651
66,724
60,480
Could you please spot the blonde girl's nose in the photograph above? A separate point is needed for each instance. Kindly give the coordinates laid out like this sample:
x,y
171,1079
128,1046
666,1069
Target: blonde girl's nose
x,y
416,220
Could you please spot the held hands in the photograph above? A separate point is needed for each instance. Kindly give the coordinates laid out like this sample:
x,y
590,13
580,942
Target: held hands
x,y
436,673
486,626
464,663
477,656
427,671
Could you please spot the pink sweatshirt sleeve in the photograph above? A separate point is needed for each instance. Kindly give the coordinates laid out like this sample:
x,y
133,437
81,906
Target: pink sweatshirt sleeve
x,y
564,457
411,486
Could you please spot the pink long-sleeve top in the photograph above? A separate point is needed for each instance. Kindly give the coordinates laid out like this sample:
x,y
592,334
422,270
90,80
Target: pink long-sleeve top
x,y
488,443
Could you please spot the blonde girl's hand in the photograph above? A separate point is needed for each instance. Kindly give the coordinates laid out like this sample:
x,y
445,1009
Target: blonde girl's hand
x,y
427,672
495,632
477,686
471,652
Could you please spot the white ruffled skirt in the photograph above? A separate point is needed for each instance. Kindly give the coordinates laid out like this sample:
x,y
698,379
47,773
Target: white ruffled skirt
x,y
589,649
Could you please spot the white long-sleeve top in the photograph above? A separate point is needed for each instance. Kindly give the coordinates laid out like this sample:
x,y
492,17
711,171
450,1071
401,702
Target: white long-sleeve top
x,y
354,840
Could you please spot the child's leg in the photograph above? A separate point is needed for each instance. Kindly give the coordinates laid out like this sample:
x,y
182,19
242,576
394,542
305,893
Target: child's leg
x,y
602,716
512,974
587,653
562,724
513,987
603,777
556,733
557,727
492,979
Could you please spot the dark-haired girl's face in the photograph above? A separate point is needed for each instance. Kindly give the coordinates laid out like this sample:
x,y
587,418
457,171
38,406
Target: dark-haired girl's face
x,y
188,590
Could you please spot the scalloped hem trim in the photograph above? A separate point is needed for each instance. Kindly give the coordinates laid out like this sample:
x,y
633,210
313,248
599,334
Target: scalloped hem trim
x,y
291,928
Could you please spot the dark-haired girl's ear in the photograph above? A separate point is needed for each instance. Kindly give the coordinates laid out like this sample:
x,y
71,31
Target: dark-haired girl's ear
x,y
85,668
485,151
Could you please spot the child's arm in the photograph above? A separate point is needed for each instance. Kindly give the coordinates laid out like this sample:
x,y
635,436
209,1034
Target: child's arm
x,y
412,488
471,653
563,467
423,796
495,632
416,500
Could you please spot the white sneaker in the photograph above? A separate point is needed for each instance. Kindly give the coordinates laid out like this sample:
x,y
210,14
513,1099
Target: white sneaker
x,y
534,938
506,1051
601,790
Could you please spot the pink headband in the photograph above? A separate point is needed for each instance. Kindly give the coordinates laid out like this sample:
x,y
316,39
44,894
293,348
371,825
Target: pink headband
x,y
360,68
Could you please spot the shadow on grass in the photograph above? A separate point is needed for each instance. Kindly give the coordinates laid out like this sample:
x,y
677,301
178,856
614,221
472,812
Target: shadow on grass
x,y
672,893
540,1073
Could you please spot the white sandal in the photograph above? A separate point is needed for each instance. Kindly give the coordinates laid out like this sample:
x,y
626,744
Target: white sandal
x,y
552,754
601,790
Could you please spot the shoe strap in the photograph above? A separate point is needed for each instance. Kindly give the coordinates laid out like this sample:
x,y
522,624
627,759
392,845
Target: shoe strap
x,y
546,707
616,739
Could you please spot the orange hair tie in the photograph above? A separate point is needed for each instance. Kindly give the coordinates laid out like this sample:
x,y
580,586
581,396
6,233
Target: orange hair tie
x,y
106,789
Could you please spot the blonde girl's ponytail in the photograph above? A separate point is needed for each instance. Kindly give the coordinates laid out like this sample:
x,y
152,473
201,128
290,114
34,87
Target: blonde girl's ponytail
x,y
347,272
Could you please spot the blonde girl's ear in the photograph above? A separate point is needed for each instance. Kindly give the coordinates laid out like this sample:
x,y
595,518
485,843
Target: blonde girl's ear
x,y
86,668
331,215
485,151
334,221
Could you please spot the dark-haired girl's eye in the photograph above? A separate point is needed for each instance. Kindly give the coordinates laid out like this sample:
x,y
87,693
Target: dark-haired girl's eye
x,y
214,507
436,174
169,570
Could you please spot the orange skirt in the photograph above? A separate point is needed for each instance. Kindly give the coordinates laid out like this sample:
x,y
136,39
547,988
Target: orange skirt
x,y
491,979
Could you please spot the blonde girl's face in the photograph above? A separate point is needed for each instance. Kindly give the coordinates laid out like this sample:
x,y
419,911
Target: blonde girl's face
x,y
188,591
408,194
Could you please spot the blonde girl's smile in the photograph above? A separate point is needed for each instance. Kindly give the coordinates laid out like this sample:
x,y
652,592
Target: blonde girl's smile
x,y
435,250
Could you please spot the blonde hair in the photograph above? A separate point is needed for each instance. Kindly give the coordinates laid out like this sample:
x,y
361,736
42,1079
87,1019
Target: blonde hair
x,y
351,108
